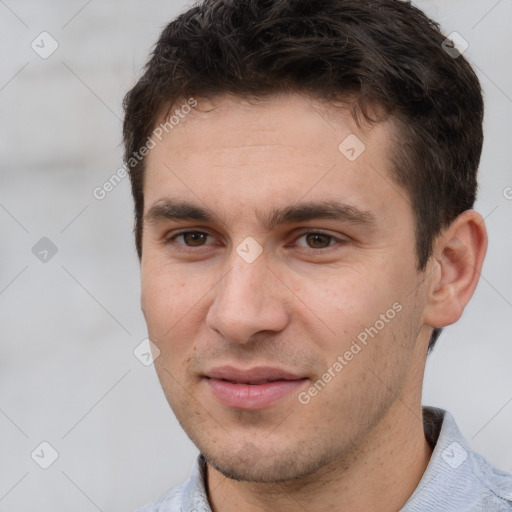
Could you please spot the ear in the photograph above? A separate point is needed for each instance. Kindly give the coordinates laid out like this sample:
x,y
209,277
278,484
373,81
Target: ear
x,y
455,266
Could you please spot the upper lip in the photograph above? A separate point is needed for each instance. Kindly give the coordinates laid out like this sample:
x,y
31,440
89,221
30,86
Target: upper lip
x,y
259,374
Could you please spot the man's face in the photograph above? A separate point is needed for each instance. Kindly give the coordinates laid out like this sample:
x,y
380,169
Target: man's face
x,y
323,301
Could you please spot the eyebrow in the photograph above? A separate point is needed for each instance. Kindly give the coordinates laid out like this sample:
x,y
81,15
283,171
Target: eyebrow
x,y
167,210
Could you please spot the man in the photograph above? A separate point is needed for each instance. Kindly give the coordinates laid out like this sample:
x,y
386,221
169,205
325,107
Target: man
x,y
304,174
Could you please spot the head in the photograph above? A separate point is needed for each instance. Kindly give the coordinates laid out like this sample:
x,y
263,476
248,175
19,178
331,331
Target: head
x,y
255,121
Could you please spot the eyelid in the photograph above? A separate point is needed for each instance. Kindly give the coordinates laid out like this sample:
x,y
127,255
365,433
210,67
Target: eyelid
x,y
170,239
311,231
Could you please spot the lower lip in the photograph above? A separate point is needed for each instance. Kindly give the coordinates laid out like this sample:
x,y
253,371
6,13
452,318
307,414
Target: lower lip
x,y
252,396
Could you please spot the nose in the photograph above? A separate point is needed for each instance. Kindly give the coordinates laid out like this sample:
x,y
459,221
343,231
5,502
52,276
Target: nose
x,y
249,299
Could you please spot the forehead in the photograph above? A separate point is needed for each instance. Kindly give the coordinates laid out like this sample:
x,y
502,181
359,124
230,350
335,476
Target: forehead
x,y
238,155
294,116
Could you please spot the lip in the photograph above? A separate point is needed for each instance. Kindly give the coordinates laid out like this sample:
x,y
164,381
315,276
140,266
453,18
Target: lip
x,y
251,388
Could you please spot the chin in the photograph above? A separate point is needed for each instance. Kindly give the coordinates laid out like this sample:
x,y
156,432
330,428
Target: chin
x,y
251,464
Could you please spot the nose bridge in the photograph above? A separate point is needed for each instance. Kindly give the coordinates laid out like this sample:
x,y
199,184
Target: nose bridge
x,y
241,286
246,301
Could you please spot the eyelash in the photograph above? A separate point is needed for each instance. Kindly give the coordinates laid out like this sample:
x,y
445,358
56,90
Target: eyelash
x,y
186,248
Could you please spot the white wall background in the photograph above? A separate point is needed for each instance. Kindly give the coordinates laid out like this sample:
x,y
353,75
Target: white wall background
x,y
68,326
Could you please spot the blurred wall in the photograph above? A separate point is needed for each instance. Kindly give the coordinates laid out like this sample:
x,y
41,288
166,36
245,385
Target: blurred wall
x,y
69,276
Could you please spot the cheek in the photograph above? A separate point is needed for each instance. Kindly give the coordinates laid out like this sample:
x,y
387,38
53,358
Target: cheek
x,y
344,304
361,316
169,299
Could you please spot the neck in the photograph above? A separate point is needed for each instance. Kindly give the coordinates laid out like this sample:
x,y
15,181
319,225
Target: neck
x,y
379,474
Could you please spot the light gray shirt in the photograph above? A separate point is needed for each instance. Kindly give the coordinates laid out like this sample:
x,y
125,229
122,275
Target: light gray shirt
x,y
456,479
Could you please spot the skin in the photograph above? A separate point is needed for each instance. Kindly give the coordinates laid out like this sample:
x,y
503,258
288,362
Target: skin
x,y
359,443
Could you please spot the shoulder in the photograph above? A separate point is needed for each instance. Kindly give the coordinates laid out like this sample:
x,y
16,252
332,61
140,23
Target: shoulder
x,y
486,487
457,478
496,484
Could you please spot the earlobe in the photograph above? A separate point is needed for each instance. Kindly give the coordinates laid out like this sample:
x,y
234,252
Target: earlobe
x,y
457,261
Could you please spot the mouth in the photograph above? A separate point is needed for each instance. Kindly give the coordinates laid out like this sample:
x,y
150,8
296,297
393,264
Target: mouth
x,y
252,388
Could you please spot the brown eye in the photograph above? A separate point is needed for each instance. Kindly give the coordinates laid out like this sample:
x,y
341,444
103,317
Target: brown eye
x,y
318,240
194,238
190,238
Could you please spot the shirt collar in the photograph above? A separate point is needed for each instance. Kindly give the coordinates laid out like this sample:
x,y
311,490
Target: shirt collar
x,y
450,472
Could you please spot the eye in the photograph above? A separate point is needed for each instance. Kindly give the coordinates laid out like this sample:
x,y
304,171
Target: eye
x,y
311,240
316,240
189,238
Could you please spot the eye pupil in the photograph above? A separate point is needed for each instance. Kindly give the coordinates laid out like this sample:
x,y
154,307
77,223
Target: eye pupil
x,y
318,240
194,238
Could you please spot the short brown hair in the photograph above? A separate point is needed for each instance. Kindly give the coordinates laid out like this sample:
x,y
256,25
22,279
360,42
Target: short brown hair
x,y
384,52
